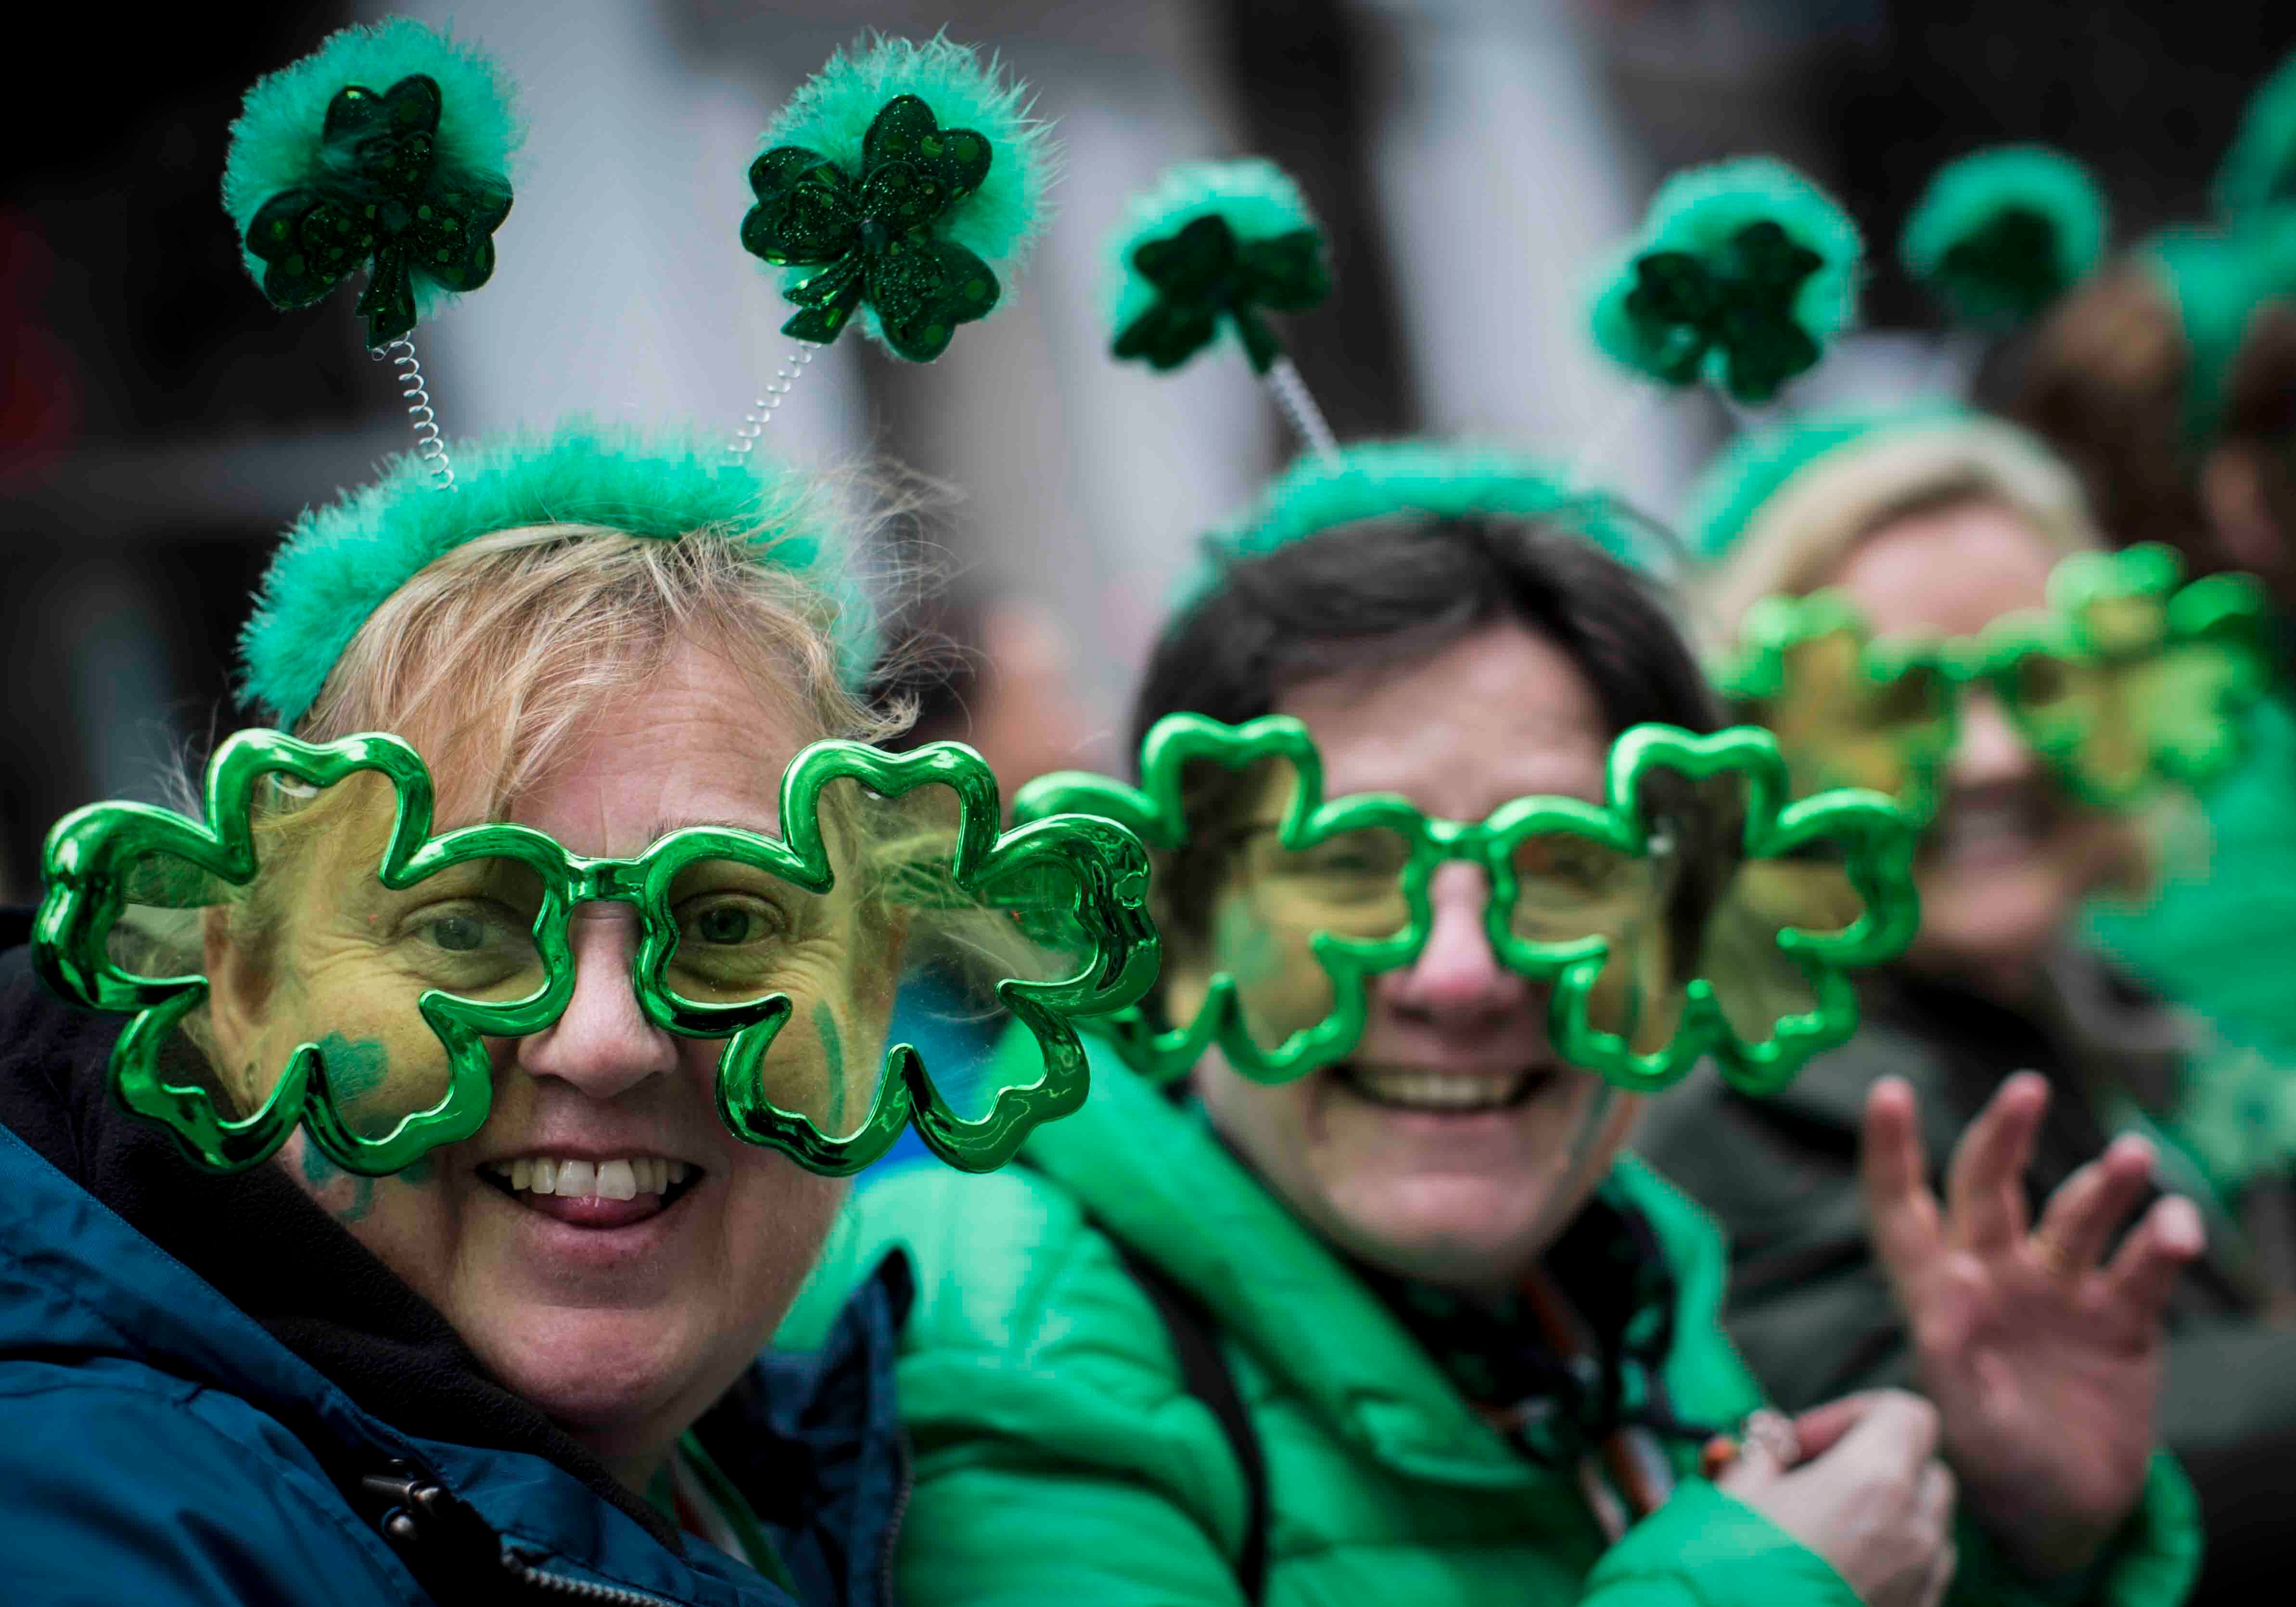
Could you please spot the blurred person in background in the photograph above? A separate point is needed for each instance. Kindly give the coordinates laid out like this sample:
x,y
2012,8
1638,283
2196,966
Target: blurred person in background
x,y
2168,382
1409,1328
1935,524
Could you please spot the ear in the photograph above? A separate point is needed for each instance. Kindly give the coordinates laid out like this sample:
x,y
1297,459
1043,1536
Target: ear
x,y
239,997
2239,513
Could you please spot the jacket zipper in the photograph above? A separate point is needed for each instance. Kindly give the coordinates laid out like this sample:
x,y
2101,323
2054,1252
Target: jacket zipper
x,y
578,1590
901,1492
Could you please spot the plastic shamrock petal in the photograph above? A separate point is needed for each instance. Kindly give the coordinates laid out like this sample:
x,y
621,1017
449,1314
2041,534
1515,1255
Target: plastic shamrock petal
x,y
1846,710
1156,811
2159,674
477,977
1737,301
874,237
385,203
1727,922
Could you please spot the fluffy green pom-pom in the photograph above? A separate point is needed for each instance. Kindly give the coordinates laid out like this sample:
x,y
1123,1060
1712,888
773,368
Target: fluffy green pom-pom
x,y
998,220
339,562
1427,480
1741,276
279,147
2260,169
2001,233
1204,253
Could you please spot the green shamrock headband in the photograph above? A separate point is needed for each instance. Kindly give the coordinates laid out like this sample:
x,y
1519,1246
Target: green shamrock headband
x,y
1204,257
2129,680
2001,233
902,185
1698,915
387,150
341,561
1742,274
477,962
1422,480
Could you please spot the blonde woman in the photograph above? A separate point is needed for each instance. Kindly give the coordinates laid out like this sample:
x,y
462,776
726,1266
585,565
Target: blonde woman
x,y
1925,528
527,1365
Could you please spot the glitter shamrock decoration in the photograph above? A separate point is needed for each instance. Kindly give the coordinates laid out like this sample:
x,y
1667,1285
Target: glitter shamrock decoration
x,y
1694,912
385,150
906,226
2001,233
1743,273
2129,678
436,943
1216,245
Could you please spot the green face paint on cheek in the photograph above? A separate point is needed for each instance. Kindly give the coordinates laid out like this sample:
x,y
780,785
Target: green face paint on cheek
x,y
355,1070
832,1055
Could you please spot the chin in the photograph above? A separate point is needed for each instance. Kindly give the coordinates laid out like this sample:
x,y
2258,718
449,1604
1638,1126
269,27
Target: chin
x,y
1448,1227
599,1372
2006,928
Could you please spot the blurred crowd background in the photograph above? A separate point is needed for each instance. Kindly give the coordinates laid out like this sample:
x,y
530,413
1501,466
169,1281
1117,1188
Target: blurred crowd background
x,y
160,423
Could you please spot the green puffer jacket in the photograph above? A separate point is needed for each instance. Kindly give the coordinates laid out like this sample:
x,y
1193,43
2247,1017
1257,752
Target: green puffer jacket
x,y
1059,1459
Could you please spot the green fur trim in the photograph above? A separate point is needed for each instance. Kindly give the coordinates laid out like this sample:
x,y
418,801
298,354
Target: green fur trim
x,y
1964,240
2260,169
1759,464
1698,212
275,141
1257,198
338,563
1424,478
832,111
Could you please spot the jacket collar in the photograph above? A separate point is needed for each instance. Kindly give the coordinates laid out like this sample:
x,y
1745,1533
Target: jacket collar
x,y
1155,1176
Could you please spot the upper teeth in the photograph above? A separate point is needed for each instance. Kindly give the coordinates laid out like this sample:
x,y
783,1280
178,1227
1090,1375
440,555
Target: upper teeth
x,y
1443,1091
601,1180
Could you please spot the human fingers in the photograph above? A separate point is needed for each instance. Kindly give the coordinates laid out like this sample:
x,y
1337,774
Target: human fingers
x,y
2145,1269
1900,1211
1942,1567
1897,1433
1933,1496
2078,1219
1761,1460
1985,1197
1821,1428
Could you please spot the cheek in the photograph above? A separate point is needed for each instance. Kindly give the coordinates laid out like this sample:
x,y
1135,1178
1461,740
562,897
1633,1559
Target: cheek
x,y
1279,983
381,1060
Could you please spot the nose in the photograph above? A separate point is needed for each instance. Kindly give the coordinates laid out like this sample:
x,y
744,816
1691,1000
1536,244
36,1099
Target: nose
x,y
1457,982
1990,749
602,1044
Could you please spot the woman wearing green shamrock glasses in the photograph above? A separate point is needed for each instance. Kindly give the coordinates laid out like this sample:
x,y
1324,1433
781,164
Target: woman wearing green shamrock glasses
x,y
1918,601
1369,1306
486,1087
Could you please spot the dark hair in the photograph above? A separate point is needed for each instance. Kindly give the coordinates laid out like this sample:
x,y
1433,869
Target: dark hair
x,y
2103,380
1384,592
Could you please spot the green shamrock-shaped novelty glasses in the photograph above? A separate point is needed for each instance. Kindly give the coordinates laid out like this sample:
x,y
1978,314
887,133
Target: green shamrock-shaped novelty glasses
x,y
313,954
1692,912
2129,678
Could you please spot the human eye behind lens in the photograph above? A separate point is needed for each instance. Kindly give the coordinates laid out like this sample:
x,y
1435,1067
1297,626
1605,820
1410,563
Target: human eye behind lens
x,y
729,920
465,942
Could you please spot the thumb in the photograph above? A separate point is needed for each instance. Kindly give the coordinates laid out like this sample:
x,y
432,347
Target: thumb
x,y
1766,1450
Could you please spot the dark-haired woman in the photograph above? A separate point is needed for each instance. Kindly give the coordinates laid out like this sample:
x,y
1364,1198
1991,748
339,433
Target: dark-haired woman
x,y
1409,1328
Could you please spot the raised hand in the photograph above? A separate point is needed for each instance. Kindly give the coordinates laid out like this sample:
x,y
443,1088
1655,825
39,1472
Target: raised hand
x,y
2042,1358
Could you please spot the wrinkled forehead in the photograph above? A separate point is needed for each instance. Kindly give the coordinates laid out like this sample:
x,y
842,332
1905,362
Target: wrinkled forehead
x,y
1948,571
1502,713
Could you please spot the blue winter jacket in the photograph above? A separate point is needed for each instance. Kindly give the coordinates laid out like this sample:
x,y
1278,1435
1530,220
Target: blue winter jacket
x,y
311,1430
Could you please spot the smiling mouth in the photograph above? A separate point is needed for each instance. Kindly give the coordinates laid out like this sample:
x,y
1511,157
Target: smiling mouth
x,y
594,1194
1446,1092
